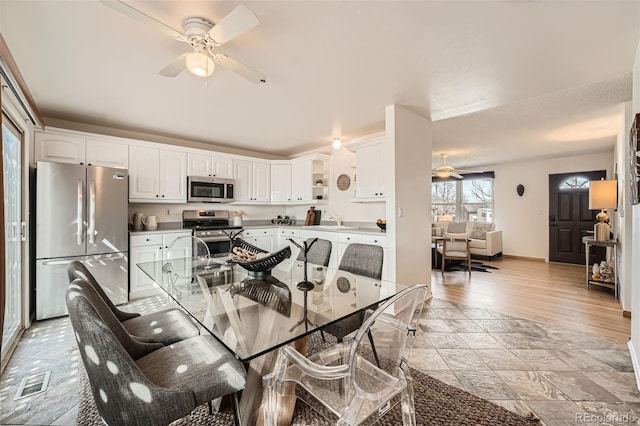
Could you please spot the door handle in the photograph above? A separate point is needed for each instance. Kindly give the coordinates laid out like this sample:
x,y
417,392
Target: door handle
x,y
92,211
23,231
79,218
552,218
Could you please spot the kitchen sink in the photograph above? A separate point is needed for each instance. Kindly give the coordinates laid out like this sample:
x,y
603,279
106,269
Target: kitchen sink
x,y
331,227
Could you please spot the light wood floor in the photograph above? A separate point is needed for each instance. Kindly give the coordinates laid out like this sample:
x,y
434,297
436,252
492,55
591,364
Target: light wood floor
x,y
549,293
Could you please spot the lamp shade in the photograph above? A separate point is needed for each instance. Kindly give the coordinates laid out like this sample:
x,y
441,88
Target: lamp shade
x,y
200,64
603,194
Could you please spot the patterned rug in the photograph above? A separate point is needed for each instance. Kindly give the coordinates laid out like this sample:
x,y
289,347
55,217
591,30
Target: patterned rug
x,y
459,265
436,404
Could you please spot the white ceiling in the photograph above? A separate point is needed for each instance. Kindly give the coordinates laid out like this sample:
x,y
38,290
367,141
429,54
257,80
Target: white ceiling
x,y
501,80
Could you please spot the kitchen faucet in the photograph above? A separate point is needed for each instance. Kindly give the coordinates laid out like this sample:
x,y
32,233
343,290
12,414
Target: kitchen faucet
x,y
336,218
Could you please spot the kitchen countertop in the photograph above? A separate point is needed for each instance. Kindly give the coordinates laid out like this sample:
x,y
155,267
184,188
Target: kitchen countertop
x,y
370,231
168,227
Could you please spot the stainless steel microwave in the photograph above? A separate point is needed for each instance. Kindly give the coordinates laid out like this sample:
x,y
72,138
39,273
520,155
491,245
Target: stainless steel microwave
x,y
203,189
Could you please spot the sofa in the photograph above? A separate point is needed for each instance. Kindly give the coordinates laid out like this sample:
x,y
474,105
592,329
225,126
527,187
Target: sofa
x,y
485,241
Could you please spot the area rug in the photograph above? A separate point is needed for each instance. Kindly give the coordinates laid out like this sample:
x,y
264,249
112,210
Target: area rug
x,y
459,265
436,403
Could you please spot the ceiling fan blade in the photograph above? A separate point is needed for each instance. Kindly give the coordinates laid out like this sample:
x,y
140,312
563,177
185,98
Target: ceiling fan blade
x,y
176,66
145,19
239,68
240,19
469,171
457,176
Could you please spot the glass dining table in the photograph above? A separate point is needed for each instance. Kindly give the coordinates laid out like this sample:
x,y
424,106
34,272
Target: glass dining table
x,y
254,314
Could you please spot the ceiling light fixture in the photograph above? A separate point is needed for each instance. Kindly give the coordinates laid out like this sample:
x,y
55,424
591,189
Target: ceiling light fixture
x,y
336,144
200,64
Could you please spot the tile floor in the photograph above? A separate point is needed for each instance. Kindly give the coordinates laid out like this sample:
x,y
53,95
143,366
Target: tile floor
x,y
563,377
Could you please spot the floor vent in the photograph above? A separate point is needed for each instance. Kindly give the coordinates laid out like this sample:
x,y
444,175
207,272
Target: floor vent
x,y
33,384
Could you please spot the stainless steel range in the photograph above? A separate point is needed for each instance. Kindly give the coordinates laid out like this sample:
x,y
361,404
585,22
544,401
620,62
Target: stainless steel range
x,y
212,226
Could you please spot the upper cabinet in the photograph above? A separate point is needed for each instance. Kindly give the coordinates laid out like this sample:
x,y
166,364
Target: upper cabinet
x,y
157,174
252,181
280,181
60,147
204,163
107,153
301,180
369,169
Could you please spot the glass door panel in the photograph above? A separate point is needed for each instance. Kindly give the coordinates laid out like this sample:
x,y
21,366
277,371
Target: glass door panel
x,y
12,173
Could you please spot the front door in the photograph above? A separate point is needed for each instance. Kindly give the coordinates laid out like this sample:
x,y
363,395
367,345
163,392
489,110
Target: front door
x,y
569,216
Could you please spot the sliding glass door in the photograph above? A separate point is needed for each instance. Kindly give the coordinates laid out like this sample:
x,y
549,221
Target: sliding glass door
x,y
13,228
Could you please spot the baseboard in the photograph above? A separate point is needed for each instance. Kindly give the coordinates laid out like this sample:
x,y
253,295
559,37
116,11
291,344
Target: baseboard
x,y
634,362
535,259
626,314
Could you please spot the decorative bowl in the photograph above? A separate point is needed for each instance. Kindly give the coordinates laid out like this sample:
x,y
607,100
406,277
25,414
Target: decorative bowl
x,y
264,264
382,226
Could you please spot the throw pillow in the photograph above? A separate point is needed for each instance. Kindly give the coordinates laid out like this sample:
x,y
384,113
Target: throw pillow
x,y
480,229
457,227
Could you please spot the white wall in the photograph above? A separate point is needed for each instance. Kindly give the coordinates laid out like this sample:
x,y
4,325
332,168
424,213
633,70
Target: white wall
x,y
524,231
407,183
623,218
634,344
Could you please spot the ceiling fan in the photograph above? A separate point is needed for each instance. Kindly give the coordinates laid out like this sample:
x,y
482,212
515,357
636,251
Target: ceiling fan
x,y
204,37
445,170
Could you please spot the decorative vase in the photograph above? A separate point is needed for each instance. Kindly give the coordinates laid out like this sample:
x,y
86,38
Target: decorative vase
x,y
237,221
595,270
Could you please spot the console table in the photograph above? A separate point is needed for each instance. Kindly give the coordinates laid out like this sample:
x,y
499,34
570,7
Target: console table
x,y
613,284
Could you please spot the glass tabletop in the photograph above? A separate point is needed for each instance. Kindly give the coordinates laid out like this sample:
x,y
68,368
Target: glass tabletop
x,y
252,314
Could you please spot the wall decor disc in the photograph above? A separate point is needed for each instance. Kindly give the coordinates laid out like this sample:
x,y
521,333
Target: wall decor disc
x,y
343,182
343,284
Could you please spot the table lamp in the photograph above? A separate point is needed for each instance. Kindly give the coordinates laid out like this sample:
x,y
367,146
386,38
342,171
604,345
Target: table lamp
x,y
603,194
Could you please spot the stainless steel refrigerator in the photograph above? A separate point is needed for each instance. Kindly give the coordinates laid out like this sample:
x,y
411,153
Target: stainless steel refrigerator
x,y
81,214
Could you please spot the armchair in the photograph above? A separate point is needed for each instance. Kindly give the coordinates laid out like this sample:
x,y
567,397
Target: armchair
x,y
342,383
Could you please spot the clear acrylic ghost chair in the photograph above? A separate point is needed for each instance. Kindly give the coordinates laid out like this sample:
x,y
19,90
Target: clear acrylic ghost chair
x,y
342,383
185,257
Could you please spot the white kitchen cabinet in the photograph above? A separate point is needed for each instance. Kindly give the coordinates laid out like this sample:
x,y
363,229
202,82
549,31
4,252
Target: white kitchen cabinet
x,y
203,163
280,182
369,169
252,180
107,153
59,148
149,247
78,148
143,248
264,238
157,174
305,173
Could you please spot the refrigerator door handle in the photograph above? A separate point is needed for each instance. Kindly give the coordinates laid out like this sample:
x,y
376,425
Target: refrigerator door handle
x,y
92,211
23,231
79,218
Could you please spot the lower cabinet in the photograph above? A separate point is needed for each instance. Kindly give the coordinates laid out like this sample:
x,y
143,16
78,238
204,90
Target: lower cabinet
x,y
264,238
149,247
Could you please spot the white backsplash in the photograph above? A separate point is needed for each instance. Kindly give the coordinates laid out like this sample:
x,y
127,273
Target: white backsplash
x,y
173,212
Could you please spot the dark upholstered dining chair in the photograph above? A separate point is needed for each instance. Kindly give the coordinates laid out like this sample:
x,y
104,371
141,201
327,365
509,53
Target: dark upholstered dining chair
x,y
360,259
319,253
137,383
167,326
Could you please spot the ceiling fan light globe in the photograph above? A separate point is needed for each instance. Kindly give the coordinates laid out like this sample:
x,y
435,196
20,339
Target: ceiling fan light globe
x,y
336,144
200,64
443,174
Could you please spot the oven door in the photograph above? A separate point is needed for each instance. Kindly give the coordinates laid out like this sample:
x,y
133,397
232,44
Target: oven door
x,y
218,246
206,189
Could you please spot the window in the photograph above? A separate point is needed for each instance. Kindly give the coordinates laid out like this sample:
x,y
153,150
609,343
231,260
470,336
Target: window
x,y
469,199
574,182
